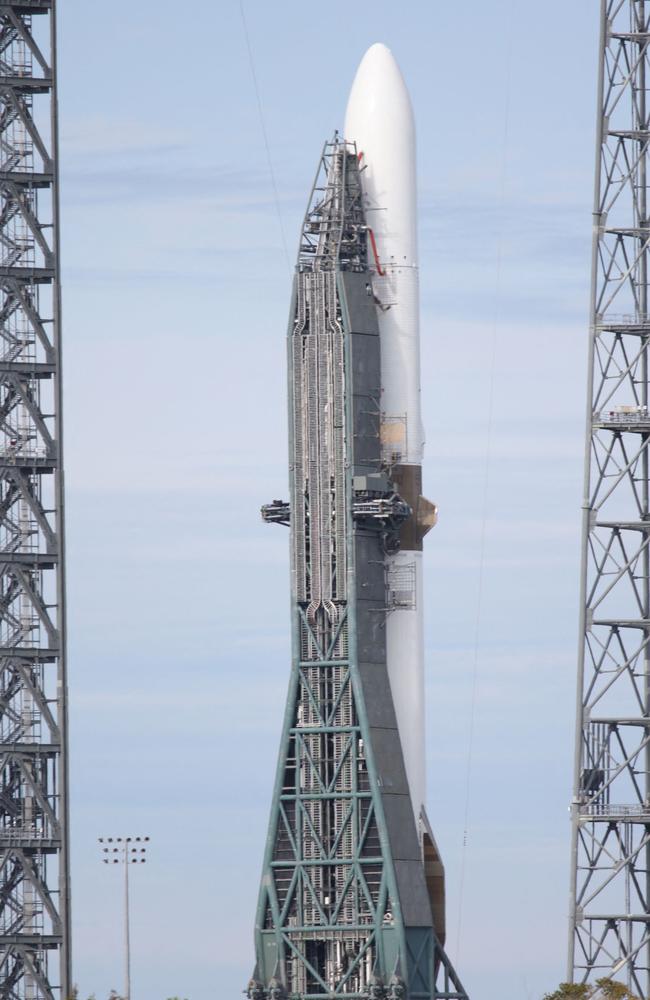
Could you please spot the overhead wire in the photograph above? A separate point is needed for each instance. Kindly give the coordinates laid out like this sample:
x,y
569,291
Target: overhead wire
x,y
265,137
486,479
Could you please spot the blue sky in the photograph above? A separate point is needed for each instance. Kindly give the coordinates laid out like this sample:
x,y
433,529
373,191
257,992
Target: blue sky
x,y
176,292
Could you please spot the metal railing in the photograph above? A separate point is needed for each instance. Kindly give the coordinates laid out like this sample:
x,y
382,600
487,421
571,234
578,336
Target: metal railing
x,y
603,322
604,809
639,415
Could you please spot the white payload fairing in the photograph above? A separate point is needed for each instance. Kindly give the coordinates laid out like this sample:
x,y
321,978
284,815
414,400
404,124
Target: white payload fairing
x,y
379,119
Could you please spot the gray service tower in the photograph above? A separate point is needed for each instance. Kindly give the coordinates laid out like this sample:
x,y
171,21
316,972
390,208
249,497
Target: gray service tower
x,y
351,902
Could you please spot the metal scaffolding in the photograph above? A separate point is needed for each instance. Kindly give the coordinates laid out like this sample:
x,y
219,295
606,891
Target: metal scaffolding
x,y
34,882
609,932
345,904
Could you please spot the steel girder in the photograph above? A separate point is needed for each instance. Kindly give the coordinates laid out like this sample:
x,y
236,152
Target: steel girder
x,y
609,932
34,883
344,910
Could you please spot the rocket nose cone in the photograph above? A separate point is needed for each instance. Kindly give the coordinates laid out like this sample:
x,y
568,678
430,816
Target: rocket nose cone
x,y
378,58
379,119
378,91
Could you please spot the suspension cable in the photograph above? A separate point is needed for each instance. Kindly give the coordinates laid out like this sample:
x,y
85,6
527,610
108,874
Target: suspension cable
x,y
265,137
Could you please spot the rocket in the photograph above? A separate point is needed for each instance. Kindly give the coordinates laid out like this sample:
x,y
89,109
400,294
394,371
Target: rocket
x,y
351,899
379,120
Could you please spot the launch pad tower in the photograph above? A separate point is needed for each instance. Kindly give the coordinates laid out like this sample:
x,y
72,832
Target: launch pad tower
x,y
348,906
609,932
34,883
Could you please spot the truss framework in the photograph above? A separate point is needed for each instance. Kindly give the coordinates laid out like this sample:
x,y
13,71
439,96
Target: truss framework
x,y
343,909
34,889
609,932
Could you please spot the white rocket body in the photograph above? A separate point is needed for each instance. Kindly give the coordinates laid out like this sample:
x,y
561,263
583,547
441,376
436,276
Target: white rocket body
x,y
379,119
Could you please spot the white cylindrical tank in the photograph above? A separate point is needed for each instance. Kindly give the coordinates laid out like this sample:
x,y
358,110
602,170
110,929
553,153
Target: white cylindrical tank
x,y
379,119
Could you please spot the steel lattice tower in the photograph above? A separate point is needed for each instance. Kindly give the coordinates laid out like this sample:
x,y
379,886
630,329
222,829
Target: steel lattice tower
x,y
348,907
34,883
610,890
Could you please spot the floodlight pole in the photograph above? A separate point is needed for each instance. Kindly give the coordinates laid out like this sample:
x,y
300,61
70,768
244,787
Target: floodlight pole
x,y
127,933
126,855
